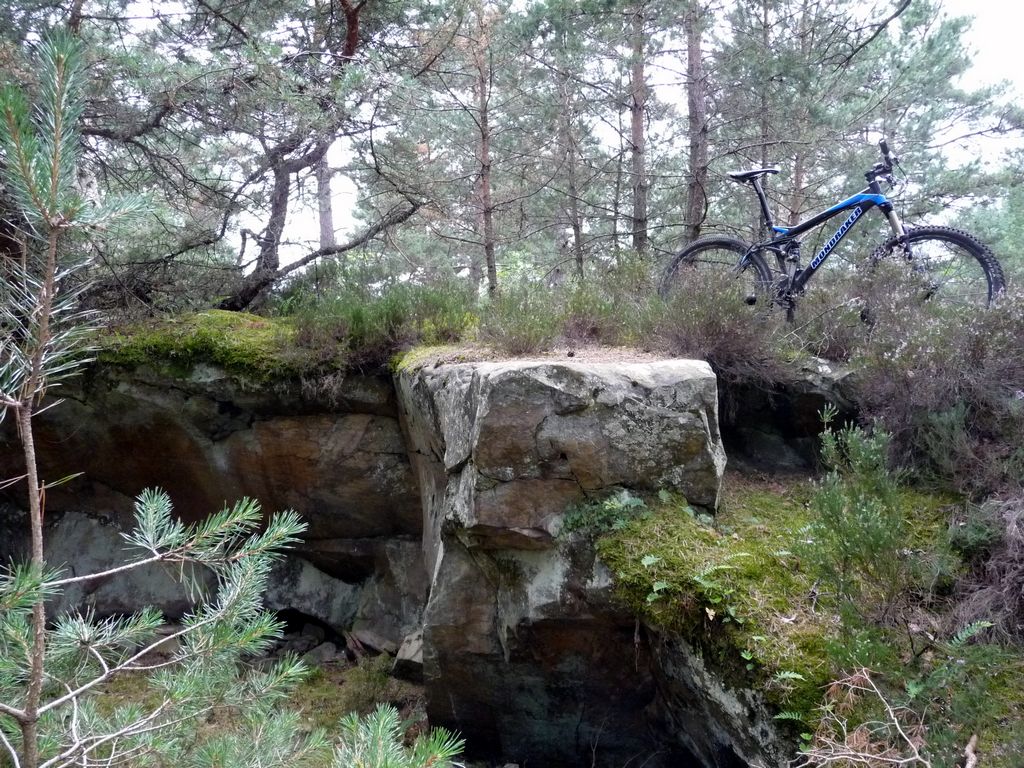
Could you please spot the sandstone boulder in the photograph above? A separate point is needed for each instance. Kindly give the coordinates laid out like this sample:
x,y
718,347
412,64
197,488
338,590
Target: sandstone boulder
x,y
522,646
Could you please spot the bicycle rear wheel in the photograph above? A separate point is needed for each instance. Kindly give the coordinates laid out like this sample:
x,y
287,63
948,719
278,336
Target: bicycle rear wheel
x,y
707,267
949,268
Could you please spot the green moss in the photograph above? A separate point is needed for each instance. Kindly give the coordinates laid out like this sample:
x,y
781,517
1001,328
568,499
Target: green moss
x,y
735,589
240,343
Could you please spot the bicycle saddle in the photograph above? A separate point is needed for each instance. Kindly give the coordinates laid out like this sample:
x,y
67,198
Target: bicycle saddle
x,y
752,174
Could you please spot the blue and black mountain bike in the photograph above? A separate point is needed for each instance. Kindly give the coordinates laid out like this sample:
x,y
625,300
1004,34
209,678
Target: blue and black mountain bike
x,y
946,265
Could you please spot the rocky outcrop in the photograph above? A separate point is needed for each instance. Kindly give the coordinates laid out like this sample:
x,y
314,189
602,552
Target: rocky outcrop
x,y
83,544
522,646
208,438
434,504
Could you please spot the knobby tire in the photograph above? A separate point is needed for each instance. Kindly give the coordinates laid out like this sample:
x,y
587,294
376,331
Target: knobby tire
x,y
717,254
973,276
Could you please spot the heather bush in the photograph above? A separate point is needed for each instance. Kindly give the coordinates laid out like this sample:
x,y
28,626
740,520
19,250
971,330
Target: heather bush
x,y
522,318
703,318
366,326
992,535
855,540
949,387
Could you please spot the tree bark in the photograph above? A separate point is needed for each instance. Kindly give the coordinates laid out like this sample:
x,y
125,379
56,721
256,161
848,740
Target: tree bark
x,y
697,124
569,152
638,140
482,60
30,391
325,204
796,200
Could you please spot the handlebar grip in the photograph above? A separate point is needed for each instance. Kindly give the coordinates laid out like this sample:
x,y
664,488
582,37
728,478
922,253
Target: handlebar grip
x,y
884,146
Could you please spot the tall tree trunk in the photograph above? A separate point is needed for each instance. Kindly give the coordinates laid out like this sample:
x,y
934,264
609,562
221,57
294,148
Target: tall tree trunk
x,y
268,262
638,139
697,124
483,94
569,151
765,117
324,204
796,199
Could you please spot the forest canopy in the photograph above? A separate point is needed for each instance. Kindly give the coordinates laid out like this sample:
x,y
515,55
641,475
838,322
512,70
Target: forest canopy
x,y
493,141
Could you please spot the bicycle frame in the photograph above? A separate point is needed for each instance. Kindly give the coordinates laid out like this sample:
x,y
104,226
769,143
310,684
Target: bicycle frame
x,y
786,237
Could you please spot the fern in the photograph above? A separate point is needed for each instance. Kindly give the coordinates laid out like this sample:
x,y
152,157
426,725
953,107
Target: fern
x,y
961,638
791,716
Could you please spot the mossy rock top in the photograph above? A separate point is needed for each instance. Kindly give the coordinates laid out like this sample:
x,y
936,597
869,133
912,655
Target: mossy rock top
x,y
734,587
240,343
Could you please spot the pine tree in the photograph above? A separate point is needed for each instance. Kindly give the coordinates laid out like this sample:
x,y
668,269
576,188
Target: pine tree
x,y
50,667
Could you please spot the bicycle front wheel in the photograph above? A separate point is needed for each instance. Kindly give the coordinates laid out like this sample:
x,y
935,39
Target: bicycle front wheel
x,y
708,267
948,268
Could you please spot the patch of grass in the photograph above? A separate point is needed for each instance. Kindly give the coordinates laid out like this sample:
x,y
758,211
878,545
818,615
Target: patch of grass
x,y
331,692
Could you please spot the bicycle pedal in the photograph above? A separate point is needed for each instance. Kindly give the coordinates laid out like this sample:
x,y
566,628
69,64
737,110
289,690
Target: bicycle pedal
x,y
750,299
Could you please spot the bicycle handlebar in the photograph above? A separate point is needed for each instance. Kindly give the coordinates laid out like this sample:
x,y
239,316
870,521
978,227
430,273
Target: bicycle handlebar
x,y
887,156
884,168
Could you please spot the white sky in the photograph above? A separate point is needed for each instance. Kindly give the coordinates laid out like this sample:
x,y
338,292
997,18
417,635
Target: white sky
x,y
994,40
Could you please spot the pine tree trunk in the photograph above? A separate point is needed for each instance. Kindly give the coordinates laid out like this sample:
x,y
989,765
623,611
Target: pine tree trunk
x,y
324,204
796,200
697,125
483,120
37,653
638,140
569,155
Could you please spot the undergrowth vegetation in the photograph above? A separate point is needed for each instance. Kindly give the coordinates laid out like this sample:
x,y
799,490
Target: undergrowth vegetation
x,y
948,386
798,590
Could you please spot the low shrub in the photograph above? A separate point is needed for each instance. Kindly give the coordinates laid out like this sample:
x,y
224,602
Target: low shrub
x,y
949,388
366,326
706,320
365,685
521,319
860,541
993,535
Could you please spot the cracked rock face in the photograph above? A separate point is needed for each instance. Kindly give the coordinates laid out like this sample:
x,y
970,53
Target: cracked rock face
x,y
522,646
208,440
502,449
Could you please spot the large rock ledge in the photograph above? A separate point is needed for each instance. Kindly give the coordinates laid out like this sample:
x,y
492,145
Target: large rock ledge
x,y
435,503
523,648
